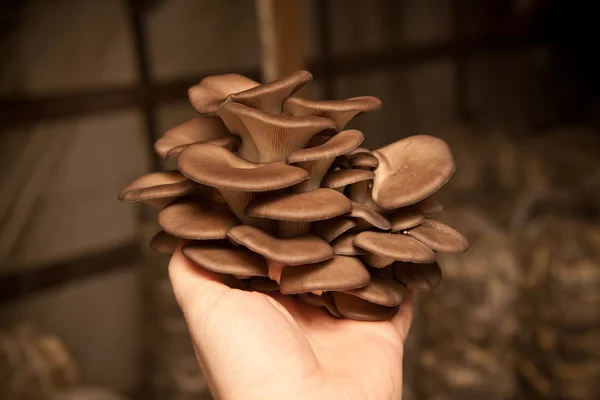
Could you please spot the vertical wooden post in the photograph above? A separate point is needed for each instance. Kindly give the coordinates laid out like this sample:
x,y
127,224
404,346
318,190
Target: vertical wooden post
x,y
282,37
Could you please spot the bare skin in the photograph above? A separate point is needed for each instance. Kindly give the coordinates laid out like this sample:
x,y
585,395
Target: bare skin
x,y
255,346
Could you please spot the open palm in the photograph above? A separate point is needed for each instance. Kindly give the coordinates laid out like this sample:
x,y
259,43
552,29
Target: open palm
x,y
255,346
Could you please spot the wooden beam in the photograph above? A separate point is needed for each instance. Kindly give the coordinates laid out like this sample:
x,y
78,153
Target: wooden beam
x,y
282,38
23,282
28,110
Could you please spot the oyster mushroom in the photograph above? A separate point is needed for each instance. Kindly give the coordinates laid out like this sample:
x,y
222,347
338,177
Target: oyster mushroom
x,y
418,276
358,309
317,160
382,292
236,179
238,261
364,161
158,188
405,218
269,137
344,245
410,170
332,228
306,249
163,243
190,219
339,111
385,248
325,300
337,273
439,237
296,211
368,217
341,178
196,130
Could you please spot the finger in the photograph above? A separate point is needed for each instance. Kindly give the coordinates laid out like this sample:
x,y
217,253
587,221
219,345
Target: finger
x,y
403,318
193,286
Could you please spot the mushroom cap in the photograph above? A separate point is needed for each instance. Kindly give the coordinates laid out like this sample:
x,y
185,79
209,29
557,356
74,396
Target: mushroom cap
x,y
163,243
157,185
340,111
298,250
316,205
430,206
270,96
361,310
384,292
276,136
191,219
218,167
418,276
213,91
357,151
394,246
337,145
344,245
195,130
237,261
332,228
337,273
263,284
405,218
410,170
363,212
344,177
324,300
439,237
228,142
364,161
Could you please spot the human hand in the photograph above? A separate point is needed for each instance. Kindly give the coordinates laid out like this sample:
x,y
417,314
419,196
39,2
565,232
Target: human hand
x,y
252,345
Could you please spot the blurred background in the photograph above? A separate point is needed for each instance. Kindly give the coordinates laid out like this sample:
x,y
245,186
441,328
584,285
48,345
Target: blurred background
x,y
86,86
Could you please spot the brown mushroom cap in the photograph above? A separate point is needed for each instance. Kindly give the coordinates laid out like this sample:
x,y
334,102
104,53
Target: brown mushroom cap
x,y
337,145
163,243
317,205
430,206
340,111
270,96
237,261
361,193
324,300
358,151
384,292
405,218
418,276
298,250
228,142
344,245
361,310
363,212
344,177
193,131
270,137
337,273
218,167
214,91
394,246
332,228
410,170
263,284
364,161
191,219
157,185
439,237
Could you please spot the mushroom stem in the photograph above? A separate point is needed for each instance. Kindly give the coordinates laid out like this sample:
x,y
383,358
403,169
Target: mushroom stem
x,y
361,193
317,170
289,229
376,261
275,269
237,201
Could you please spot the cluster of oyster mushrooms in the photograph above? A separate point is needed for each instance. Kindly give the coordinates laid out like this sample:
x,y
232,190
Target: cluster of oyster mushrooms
x,y
272,190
